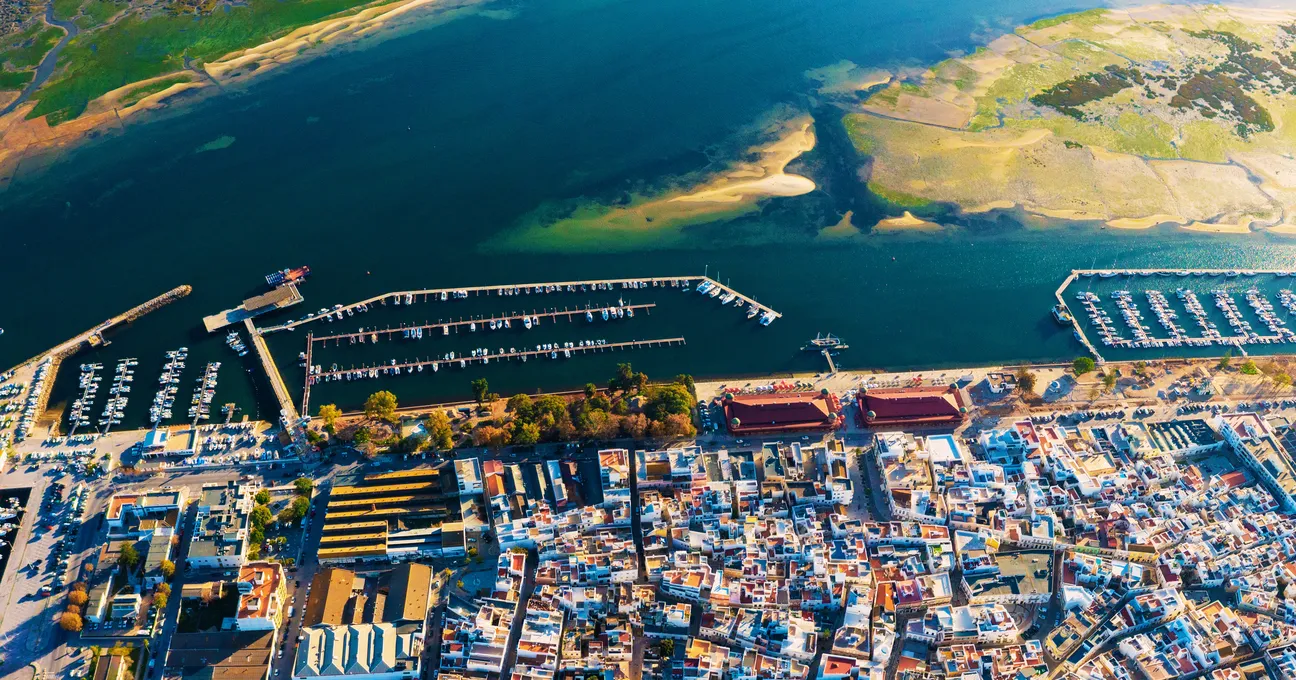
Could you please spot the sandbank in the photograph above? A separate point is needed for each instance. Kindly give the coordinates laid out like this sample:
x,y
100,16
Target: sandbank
x,y
906,222
844,229
659,220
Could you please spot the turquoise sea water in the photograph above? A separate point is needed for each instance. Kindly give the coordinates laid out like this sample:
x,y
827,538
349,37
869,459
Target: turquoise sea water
x,y
396,166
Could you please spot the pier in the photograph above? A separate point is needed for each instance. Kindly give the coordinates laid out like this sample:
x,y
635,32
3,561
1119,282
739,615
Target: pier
x,y
278,298
95,338
523,289
287,409
310,345
410,366
1075,318
454,326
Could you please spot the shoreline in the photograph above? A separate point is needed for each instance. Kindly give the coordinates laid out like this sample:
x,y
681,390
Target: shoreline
x,y
941,136
22,138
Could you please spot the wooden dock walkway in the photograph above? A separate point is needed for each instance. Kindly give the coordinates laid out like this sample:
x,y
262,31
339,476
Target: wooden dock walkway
x,y
287,409
525,289
411,366
371,334
1076,324
310,345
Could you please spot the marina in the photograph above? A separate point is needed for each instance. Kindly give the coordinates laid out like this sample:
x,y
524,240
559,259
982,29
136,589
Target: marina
x,y
1121,319
513,320
114,409
552,351
204,393
168,386
88,382
702,285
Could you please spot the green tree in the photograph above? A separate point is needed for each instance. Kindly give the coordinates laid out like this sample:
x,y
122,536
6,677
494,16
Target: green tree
x,y
668,400
687,381
479,389
590,390
303,486
522,407
1109,380
550,405
362,436
525,433
329,413
295,511
260,516
257,537
1282,381
382,406
262,497
1082,365
1225,360
667,648
128,557
160,601
78,598
168,569
440,435
1249,368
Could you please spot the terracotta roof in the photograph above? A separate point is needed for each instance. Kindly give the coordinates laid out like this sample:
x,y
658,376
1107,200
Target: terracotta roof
x,y
265,579
793,410
912,405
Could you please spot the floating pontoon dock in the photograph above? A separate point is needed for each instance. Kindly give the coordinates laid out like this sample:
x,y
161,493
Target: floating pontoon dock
x,y
372,334
524,289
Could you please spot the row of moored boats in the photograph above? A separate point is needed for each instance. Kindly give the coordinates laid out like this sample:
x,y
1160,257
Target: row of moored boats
x,y
1239,331
483,355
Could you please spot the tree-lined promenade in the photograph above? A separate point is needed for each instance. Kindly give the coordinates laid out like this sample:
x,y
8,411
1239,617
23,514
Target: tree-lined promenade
x,y
628,407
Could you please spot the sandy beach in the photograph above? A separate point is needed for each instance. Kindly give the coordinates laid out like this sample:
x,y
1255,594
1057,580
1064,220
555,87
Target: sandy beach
x,y
1144,222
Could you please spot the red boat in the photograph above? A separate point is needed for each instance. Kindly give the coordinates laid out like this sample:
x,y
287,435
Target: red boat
x,y
287,276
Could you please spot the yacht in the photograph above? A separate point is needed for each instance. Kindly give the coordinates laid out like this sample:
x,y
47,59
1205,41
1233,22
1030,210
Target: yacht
x,y
526,322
